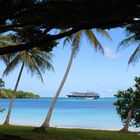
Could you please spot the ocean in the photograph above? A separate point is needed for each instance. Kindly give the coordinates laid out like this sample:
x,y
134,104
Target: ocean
x,y
78,113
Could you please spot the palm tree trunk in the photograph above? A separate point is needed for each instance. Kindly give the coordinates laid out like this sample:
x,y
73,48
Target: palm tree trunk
x,y
47,119
12,98
125,128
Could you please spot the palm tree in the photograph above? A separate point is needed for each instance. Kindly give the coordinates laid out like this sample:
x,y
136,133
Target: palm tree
x,y
133,37
75,40
4,41
35,61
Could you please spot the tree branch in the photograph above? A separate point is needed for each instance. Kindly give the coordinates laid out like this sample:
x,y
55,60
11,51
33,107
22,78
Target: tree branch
x,y
22,47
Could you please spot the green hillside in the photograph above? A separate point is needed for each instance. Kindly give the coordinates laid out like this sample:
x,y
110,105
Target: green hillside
x,y
8,93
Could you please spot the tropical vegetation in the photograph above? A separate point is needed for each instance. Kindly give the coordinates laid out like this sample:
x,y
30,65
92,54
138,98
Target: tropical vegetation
x,y
132,40
2,84
76,15
32,23
128,106
75,42
8,93
35,61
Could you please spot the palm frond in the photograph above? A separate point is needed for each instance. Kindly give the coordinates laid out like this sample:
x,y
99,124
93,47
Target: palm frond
x,y
11,66
127,42
93,40
34,69
104,33
77,40
42,63
68,39
46,59
6,38
3,44
135,56
37,62
7,58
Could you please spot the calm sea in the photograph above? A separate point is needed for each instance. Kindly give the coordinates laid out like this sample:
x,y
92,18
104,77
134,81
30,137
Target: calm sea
x,y
83,113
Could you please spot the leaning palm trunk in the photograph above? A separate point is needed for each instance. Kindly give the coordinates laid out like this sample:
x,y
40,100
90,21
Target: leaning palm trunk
x,y
125,128
47,120
12,98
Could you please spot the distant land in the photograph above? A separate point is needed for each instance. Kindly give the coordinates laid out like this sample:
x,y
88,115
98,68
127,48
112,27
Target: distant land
x,y
8,93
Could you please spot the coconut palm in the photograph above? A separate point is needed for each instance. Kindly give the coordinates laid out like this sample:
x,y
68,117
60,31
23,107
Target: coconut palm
x,y
75,40
133,38
35,61
4,41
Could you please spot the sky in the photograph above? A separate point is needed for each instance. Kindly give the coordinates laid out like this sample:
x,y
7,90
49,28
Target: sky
x,y
90,71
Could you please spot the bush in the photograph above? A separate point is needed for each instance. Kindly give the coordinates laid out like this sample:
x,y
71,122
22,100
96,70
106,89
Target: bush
x,y
129,99
8,93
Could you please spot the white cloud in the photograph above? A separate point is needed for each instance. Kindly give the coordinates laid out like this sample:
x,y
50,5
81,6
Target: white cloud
x,y
110,53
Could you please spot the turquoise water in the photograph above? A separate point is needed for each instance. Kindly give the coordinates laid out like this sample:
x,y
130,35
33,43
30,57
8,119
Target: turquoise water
x,y
100,113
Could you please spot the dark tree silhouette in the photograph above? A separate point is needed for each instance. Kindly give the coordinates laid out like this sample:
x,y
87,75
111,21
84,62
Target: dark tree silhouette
x,y
46,15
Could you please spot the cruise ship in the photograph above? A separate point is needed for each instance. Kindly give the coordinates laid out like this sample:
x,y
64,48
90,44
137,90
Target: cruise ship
x,y
84,95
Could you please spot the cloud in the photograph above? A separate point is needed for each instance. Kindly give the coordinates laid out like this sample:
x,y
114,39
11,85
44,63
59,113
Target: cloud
x,y
110,53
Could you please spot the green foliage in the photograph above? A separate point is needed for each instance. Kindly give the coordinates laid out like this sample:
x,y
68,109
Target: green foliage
x,y
1,110
129,99
35,36
133,37
90,35
34,21
35,61
6,40
8,93
28,31
2,83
